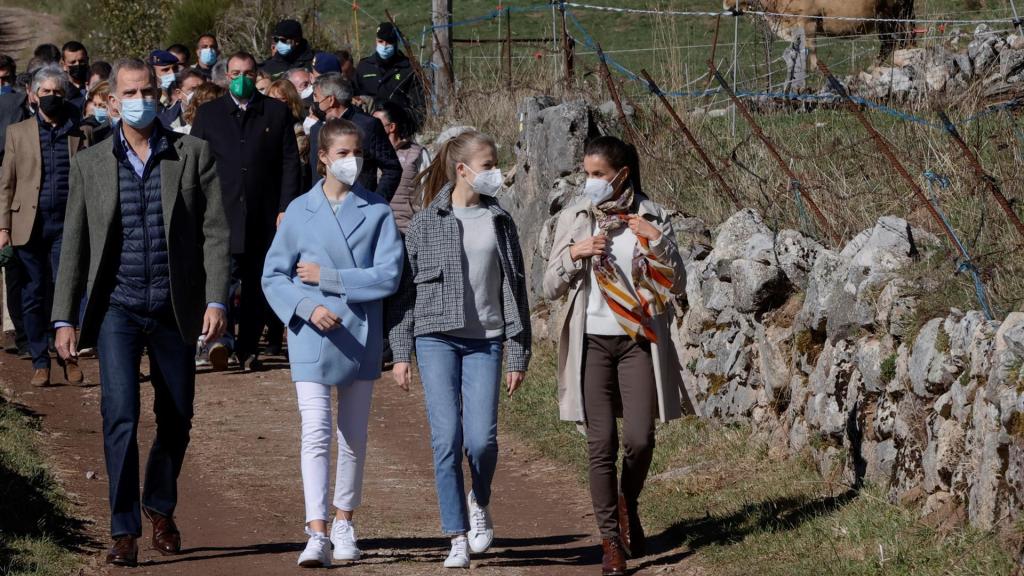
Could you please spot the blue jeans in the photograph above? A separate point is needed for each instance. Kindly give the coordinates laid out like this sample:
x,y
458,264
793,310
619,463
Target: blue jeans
x,y
39,257
461,383
122,336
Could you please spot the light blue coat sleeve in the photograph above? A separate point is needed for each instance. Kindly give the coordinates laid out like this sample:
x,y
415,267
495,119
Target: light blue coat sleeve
x,y
285,298
356,285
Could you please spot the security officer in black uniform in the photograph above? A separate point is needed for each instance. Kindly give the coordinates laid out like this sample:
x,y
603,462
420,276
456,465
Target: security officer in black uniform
x,y
387,75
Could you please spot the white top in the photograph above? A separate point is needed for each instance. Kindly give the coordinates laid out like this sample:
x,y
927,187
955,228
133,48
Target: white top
x,y
600,319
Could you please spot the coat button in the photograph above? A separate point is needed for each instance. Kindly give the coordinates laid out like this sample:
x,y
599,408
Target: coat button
x,y
244,170
242,141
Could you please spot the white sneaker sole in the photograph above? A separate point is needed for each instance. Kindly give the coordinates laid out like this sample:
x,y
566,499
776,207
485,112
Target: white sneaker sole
x,y
315,563
460,564
347,556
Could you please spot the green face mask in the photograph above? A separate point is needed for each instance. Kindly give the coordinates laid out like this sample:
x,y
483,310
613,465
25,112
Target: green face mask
x,y
243,87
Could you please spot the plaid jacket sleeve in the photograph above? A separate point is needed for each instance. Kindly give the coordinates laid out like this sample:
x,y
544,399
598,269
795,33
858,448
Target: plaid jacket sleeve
x,y
402,305
519,346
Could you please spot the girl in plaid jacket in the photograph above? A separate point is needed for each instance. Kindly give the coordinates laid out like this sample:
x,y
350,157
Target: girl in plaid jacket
x,y
462,301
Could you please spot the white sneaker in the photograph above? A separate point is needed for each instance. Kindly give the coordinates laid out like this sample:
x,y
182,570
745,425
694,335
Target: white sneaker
x,y
318,551
481,529
459,556
343,536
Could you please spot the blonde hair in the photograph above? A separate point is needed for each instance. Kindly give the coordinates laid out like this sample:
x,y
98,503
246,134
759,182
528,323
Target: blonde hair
x,y
458,150
101,89
202,94
284,89
331,131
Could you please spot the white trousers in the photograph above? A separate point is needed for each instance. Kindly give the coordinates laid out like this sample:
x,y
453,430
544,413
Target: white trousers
x,y
353,418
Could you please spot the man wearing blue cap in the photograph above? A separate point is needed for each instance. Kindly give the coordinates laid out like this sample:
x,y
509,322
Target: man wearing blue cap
x,y
387,75
290,50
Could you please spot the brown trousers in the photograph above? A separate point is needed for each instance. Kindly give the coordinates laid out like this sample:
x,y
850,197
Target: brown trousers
x,y
618,375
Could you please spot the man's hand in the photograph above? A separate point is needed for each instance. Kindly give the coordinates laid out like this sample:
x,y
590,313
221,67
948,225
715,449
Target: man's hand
x,y
324,319
215,322
593,246
513,380
5,238
309,273
402,373
67,342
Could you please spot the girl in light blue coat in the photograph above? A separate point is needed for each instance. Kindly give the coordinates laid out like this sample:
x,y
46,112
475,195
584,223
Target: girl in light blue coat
x,y
335,257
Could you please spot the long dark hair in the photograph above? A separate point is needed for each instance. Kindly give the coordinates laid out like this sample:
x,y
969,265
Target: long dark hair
x,y
619,155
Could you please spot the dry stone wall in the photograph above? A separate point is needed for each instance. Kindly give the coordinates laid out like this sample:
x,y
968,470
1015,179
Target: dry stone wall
x,y
820,350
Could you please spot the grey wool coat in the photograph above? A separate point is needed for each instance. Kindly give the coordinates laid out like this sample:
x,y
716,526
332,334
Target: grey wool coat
x,y
194,223
570,279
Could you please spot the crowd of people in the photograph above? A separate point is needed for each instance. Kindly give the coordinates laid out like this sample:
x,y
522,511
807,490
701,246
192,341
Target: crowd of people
x,y
200,212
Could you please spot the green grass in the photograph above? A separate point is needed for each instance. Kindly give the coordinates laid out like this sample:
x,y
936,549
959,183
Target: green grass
x,y
38,536
716,489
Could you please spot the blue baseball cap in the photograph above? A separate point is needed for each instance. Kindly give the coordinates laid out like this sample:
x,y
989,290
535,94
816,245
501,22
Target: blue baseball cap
x,y
325,63
162,58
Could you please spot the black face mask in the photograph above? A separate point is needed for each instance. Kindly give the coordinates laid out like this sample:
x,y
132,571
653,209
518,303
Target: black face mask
x,y
318,112
51,105
79,73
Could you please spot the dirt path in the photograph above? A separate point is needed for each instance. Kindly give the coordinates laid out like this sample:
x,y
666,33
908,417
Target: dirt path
x,y
241,505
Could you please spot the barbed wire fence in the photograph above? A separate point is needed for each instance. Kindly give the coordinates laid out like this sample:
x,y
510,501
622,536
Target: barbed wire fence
x,y
752,72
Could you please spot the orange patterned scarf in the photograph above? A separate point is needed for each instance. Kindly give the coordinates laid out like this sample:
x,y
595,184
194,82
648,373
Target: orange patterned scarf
x,y
634,306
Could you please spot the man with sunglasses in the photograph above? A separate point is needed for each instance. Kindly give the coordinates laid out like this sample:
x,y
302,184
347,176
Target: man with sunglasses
x,y
289,50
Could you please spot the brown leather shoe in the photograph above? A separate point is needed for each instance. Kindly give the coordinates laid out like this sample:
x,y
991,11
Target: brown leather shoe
x,y
72,373
124,551
613,563
634,541
41,377
166,537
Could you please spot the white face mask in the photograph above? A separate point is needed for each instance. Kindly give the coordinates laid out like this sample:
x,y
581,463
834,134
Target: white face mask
x,y
347,169
307,124
599,189
488,182
307,92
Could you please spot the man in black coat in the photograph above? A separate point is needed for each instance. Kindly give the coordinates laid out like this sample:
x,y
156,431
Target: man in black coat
x,y
387,75
253,141
332,98
290,50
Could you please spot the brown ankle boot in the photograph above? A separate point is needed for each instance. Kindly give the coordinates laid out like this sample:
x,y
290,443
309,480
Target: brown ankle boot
x,y
72,373
41,377
124,551
613,563
634,541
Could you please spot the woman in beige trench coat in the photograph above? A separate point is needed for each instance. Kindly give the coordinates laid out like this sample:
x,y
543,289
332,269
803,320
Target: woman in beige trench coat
x,y
615,260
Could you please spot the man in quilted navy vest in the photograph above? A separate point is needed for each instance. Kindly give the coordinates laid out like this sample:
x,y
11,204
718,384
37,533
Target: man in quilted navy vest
x,y
146,238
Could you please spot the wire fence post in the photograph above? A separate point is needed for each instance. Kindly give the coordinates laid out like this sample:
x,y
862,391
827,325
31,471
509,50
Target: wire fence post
x,y
794,181
508,49
712,169
979,172
568,52
613,91
735,63
886,149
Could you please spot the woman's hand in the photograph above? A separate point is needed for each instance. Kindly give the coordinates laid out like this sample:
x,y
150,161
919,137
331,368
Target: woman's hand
x,y
513,380
324,319
402,373
309,273
643,228
593,246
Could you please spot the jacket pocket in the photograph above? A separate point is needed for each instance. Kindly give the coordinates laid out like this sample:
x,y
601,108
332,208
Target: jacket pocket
x,y
429,284
304,346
